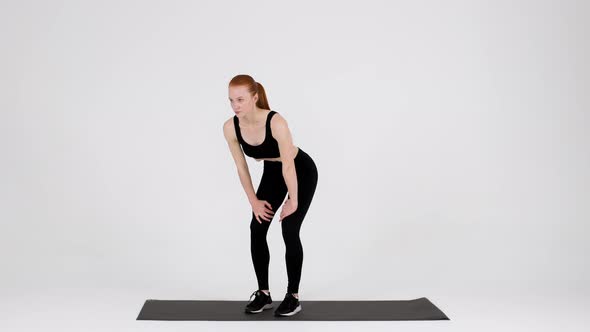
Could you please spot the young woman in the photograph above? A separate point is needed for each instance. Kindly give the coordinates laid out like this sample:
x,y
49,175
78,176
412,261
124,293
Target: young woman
x,y
264,135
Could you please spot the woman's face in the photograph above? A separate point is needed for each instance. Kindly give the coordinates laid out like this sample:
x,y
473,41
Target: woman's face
x,y
240,99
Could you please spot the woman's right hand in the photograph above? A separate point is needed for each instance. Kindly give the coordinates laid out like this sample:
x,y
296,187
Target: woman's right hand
x,y
262,209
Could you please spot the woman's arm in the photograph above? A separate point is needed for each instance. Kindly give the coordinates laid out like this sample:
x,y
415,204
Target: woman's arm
x,y
239,159
280,131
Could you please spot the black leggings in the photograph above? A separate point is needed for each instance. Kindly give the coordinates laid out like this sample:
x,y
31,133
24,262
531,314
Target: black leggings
x,y
273,189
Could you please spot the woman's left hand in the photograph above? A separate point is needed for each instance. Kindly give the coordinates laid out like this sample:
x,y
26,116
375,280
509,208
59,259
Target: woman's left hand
x,y
288,208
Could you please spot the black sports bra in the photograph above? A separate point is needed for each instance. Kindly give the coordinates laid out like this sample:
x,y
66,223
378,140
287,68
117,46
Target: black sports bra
x,y
269,148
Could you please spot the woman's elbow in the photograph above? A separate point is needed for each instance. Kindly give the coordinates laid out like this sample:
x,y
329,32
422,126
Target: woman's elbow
x,y
288,167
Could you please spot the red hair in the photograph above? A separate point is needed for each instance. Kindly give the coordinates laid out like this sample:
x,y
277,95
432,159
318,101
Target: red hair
x,y
253,88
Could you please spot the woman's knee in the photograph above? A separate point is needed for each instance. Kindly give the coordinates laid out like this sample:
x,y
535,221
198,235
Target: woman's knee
x,y
259,228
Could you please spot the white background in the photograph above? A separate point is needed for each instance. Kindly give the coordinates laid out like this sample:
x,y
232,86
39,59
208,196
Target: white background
x,y
451,140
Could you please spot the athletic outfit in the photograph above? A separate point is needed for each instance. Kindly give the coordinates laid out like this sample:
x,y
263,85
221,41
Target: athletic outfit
x,y
273,189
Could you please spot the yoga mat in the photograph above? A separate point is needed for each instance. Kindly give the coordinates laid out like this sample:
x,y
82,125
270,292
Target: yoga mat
x,y
417,309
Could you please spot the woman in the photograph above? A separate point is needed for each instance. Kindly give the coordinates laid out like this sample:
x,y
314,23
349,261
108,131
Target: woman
x,y
264,135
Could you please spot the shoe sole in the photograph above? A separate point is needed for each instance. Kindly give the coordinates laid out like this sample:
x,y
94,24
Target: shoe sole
x,y
266,306
292,312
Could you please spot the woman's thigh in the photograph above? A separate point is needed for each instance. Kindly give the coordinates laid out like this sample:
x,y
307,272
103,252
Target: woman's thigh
x,y
272,187
307,178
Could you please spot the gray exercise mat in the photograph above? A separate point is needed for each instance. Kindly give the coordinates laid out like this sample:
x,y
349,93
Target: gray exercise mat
x,y
417,309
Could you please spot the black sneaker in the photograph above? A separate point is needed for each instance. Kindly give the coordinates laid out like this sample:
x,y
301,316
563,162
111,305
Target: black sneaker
x,y
289,307
261,302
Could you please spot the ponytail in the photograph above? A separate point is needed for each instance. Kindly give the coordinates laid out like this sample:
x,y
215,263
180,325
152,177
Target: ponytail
x,y
253,87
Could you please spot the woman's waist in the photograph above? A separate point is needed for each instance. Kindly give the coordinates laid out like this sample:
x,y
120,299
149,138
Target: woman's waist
x,y
301,157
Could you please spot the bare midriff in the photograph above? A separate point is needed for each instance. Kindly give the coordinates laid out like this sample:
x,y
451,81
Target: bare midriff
x,y
278,158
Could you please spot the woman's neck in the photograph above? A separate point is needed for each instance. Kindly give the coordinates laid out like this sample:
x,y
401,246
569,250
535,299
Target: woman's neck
x,y
253,121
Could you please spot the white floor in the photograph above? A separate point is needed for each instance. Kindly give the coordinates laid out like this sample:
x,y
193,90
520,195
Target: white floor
x,y
112,310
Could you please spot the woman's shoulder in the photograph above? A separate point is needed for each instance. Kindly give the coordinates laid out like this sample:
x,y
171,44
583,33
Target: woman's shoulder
x,y
228,128
278,122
